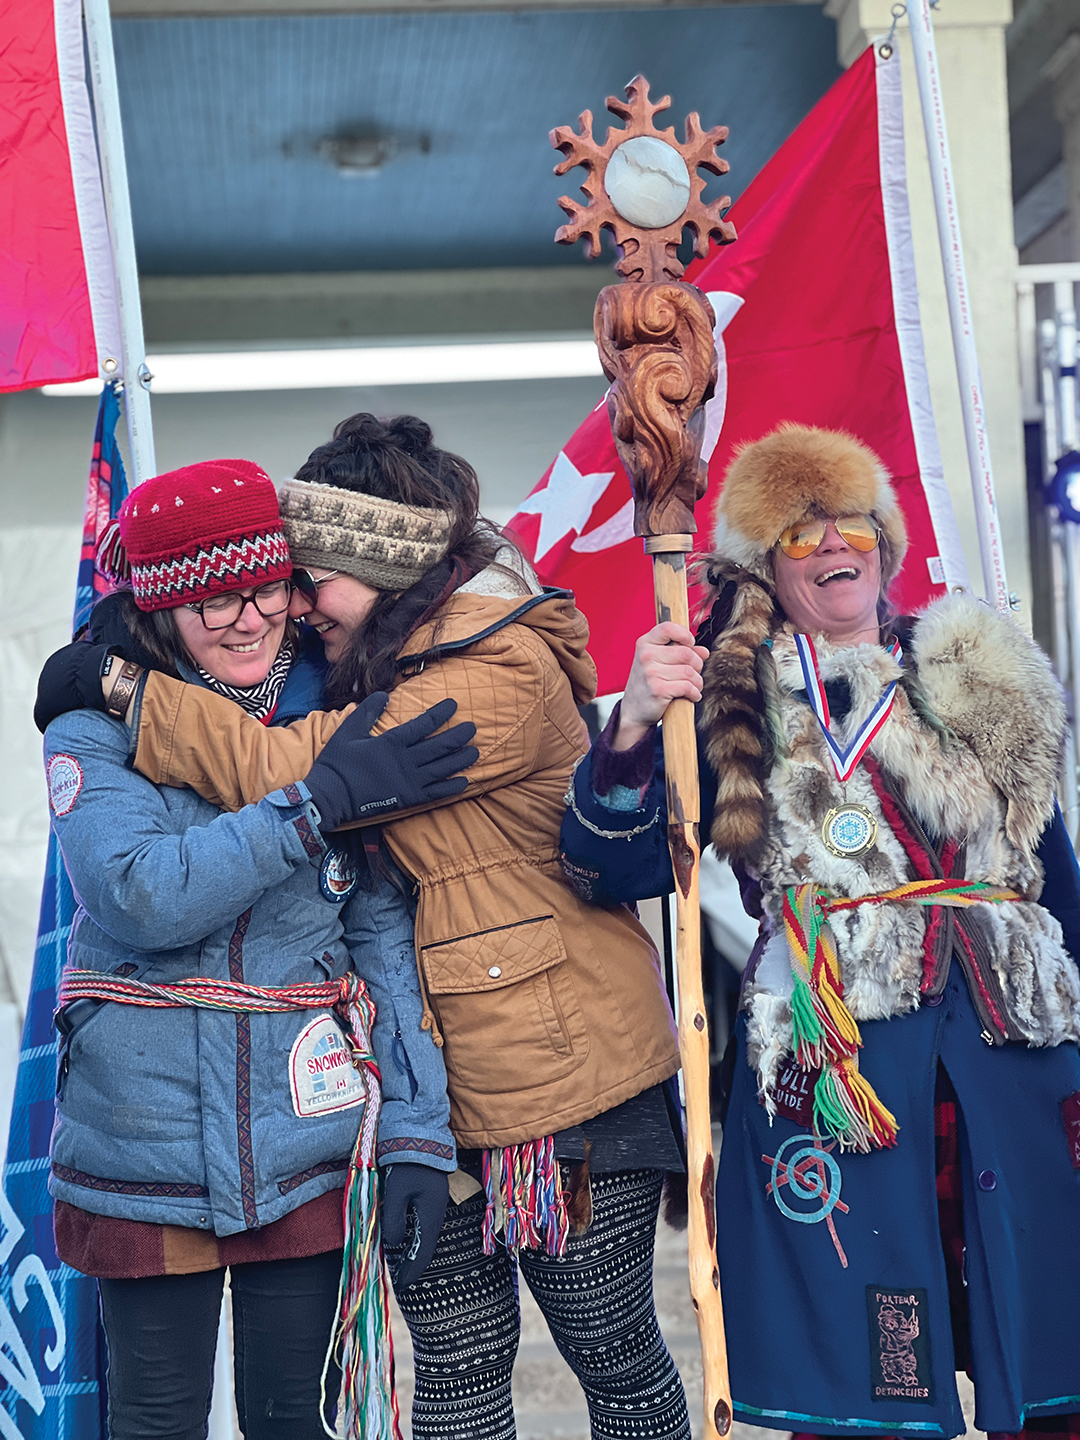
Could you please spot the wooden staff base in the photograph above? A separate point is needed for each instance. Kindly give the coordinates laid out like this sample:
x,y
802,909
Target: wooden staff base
x,y
684,815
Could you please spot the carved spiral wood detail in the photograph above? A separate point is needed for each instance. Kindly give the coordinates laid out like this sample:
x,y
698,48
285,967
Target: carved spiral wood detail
x,y
656,346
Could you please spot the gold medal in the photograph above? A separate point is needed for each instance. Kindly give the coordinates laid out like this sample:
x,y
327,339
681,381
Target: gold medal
x,y
849,831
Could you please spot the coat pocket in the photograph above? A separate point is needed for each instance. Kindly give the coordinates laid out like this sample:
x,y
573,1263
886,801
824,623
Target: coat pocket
x,y
506,1006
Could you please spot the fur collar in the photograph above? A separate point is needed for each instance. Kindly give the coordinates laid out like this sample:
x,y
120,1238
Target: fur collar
x,y
969,671
994,688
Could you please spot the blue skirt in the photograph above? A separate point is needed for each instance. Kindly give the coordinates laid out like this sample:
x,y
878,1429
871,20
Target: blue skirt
x,y
835,1293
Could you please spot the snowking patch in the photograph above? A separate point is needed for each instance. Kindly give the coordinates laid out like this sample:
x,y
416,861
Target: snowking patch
x,y
65,777
322,1076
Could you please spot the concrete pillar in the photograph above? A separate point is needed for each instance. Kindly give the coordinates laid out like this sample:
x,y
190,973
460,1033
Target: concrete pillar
x,y
1063,72
971,57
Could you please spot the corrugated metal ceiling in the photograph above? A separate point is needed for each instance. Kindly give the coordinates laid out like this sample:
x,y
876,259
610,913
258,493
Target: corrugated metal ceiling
x,y
223,116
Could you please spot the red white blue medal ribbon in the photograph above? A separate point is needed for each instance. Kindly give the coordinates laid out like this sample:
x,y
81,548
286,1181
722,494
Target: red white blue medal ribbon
x,y
844,758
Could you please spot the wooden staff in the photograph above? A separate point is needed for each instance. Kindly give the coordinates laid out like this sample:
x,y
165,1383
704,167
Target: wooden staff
x,y
655,337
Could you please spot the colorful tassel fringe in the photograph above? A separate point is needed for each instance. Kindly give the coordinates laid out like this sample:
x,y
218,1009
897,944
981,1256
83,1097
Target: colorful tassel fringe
x,y
826,1037
533,1201
362,1342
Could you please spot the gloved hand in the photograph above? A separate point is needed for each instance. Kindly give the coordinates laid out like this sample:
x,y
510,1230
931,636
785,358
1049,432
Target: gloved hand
x,y
426,1192
360,776
70,680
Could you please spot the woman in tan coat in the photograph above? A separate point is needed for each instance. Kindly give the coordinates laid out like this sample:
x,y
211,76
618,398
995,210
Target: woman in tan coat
x,y
550,1014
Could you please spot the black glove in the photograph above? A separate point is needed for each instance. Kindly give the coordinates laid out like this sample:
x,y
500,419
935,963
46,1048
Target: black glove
x,y
70,680
360,776
426,1192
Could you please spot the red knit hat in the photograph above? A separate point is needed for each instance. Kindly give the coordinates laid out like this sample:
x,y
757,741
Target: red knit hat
x,y
197,532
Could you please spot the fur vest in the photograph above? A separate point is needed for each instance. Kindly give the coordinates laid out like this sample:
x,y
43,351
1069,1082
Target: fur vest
x,y
960,780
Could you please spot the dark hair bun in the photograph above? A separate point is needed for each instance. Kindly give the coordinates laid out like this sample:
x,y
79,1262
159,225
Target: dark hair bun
x,y
396,459
411,434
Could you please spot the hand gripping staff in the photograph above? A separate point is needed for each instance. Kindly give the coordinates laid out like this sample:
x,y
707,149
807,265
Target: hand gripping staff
x,y
655,337
361,1341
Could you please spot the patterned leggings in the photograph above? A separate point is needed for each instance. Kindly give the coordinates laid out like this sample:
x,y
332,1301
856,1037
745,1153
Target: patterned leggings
x,y
597,1300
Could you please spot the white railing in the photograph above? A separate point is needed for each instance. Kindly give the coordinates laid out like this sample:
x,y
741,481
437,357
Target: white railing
x,y
1046,316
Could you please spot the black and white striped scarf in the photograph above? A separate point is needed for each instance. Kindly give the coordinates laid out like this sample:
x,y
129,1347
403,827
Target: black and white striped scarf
x,y
259,700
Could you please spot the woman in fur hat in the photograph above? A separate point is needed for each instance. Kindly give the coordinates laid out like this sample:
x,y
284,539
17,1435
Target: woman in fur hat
x,y
899,1186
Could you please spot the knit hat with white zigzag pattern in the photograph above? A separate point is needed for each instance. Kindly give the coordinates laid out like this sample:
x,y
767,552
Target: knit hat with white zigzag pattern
x,y
197,532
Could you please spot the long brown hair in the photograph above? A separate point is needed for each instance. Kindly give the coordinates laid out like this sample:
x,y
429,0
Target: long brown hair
x,y
396,460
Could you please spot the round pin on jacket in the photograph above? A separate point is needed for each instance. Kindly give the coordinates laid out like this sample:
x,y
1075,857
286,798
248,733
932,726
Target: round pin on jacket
x,y
337,876
849,831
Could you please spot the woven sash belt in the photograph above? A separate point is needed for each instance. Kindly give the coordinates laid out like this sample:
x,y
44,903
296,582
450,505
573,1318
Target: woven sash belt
x,y
826,1037
361,1338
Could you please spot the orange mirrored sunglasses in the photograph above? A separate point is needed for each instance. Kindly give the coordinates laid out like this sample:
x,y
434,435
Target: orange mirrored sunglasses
x,y
859,531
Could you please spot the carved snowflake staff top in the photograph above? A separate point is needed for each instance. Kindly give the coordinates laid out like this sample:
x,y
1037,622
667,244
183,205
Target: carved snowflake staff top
x,y
643,186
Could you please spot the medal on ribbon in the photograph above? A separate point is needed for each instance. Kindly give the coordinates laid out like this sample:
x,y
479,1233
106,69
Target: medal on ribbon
x,y
844,757
848,830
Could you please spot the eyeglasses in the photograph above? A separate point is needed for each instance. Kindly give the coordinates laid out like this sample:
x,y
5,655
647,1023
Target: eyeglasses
x,y
307,587
858,531
221,611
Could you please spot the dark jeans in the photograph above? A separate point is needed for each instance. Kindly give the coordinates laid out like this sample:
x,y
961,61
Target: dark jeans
x,y
162,1334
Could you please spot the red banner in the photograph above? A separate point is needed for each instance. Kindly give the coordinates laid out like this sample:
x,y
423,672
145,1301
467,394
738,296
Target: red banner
x,y
55,273
817,322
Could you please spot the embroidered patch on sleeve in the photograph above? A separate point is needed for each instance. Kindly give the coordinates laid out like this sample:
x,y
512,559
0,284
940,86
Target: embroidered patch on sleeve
x,y
65,777
322,1076
1070,1117
899,1345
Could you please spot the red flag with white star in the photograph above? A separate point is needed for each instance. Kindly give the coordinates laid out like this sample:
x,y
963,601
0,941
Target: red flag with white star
x,y
817,321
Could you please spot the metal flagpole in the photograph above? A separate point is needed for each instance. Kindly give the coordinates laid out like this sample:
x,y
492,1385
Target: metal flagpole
x,y
952,257
133,369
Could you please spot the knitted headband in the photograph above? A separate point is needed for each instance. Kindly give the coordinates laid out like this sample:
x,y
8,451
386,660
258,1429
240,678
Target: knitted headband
x,y
385,544
793,473
196,532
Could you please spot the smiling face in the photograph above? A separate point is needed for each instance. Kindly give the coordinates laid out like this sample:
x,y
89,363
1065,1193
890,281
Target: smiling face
x,y
241,654
344,604
833,592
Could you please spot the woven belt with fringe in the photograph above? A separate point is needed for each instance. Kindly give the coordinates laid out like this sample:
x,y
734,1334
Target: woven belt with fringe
x,y
826,1037
361,1336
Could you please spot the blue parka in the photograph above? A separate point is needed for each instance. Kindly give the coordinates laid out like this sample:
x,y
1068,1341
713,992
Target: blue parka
x,y
205,1118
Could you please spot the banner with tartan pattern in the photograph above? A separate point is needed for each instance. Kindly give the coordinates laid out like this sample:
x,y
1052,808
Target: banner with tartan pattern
x,y
52,1353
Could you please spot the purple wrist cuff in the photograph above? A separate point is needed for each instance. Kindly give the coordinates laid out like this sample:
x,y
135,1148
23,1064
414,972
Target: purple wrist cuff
x,y
633,768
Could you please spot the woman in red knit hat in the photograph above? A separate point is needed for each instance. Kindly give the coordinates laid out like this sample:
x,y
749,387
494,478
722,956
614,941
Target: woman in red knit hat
x,y
216,1065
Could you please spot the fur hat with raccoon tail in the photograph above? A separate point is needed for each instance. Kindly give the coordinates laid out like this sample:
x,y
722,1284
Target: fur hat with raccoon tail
x,y
796,472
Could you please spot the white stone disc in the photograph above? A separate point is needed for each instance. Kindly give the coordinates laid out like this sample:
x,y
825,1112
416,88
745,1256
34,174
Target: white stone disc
x,y
647,181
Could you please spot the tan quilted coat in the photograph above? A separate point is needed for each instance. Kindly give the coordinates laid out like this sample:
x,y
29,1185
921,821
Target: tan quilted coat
x,y
550,1010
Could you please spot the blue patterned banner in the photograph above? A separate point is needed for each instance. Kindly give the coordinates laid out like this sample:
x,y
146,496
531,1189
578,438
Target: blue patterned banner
x,y
52,1352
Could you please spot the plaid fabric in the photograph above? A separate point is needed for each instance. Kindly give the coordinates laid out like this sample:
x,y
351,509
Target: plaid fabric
x,y
55,1390
951,1222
